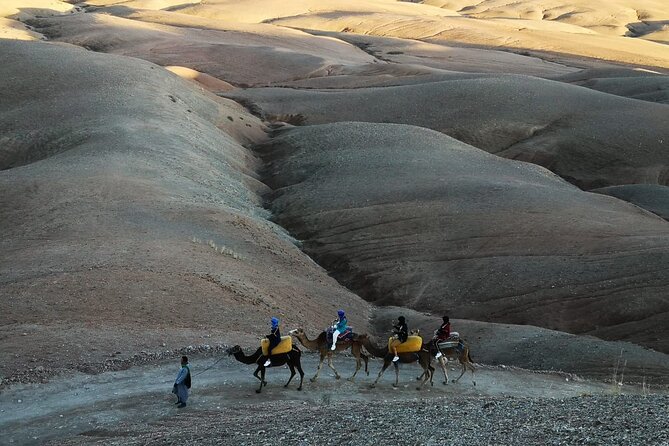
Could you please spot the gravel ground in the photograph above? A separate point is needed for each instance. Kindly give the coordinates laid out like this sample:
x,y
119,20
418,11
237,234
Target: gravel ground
x,y
587,420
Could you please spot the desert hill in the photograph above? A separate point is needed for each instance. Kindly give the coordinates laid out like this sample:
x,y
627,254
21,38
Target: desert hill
x,y
142,213
131,216
573,131
409,217
651,197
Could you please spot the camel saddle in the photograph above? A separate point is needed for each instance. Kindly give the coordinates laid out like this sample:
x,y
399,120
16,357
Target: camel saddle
x,y
347,335
451,342
284,346
411,345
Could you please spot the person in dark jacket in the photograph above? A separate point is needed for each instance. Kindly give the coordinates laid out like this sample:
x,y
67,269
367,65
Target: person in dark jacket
x,y
441,335
400,333
274,339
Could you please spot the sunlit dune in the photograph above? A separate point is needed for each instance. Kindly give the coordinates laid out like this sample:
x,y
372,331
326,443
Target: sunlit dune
x,y
27,9
603,16
493,33
255,11
592,30
12,29
240,56
403,52
208,82
144,4
14,12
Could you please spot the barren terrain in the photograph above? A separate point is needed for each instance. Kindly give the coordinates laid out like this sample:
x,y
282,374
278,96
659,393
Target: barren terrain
x,y
134,406
174,174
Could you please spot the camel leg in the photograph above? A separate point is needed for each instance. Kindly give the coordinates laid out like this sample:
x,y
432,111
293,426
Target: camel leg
x,y
366,359
466,364
422,375
332,367
358,365
464,369
298,366
397,374
473,369
318,370
442,362
256,375
358,362
427,374
262,379
292,373
386,363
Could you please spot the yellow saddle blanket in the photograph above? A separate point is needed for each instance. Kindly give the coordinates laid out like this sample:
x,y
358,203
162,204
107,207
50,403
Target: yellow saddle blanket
x,y
284,346
412,344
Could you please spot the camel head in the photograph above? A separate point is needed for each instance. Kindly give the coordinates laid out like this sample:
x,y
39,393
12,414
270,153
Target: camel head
x,y
233,350
297,332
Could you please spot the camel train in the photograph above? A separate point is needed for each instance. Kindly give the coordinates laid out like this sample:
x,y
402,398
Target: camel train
x,y
410,349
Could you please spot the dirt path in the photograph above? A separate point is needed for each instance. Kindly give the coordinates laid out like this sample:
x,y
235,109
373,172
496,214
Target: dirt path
x,y
66,406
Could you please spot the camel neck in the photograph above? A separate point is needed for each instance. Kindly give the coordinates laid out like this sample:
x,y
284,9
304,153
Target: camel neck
x,y
374,350
241,357
311,344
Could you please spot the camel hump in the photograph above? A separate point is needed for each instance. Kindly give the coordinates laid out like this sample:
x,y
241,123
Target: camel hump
x,y
284,346
345,336
453,341
411,345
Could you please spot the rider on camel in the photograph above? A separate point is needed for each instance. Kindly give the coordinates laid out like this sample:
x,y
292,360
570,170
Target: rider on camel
x,y
441,335
400,334
340,327
274,339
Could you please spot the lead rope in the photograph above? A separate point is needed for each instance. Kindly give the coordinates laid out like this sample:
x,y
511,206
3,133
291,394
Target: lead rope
x,y
201,372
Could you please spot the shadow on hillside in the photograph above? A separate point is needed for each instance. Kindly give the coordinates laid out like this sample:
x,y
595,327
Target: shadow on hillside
x,y
640,29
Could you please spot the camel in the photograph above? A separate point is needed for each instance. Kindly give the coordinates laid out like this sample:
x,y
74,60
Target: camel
x,y
449,353
423,357
321,345
292,359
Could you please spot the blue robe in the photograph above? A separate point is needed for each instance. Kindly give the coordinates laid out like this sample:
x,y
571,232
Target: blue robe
x,y
180,388
341,325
